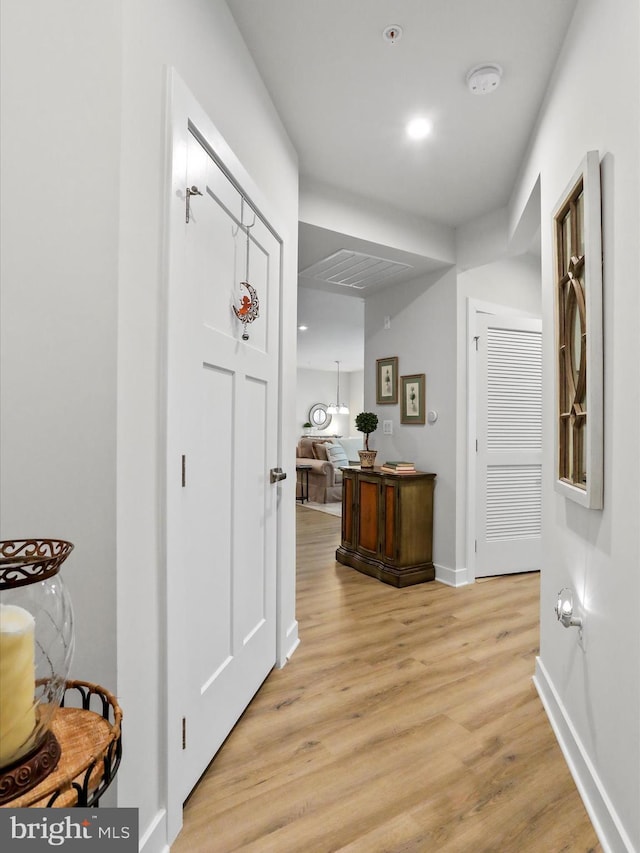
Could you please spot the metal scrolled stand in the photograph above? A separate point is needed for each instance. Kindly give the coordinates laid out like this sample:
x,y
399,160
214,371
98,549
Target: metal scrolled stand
x,y
90,740
60,740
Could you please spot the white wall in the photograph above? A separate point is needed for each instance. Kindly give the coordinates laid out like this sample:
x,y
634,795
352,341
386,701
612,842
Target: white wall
x,y
326,207
83,191
335,330
319,386
508,281
59,254
482,240
593,694
356,398
423,336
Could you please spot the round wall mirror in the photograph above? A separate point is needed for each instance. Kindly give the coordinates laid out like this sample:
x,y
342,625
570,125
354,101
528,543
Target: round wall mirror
x,y
319,416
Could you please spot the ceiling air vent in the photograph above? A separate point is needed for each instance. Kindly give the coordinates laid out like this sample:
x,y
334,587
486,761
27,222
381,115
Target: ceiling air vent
x,y
354,269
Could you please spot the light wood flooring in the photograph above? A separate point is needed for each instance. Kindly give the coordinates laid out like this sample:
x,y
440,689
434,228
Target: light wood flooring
x,y
406,722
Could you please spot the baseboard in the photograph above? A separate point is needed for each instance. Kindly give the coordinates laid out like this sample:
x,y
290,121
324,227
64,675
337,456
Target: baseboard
x,y
451,577
154,839
604,818
291,643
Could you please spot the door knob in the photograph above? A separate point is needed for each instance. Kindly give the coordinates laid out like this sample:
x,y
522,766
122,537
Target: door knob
x,y
277,474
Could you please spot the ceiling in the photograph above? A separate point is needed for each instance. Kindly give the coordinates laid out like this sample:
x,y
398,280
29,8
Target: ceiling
x,y
344,95
335,331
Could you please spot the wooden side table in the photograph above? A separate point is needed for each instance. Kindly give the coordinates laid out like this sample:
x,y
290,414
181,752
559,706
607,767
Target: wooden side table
x,y
387,525
91,749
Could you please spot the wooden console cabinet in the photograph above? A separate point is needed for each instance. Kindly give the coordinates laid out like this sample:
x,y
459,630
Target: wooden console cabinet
x,y
387,525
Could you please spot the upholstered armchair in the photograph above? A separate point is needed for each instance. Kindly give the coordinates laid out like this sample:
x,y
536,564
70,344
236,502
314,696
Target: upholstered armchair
x,y
325,458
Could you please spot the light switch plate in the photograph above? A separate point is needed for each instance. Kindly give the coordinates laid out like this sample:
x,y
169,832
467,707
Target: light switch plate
x,y
387,427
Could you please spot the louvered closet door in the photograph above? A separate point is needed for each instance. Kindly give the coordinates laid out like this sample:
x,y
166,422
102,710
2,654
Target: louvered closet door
x,y
509,455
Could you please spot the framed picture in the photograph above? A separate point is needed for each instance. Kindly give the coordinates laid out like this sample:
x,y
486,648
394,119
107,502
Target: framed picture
x,y
387,380
577,231
412,404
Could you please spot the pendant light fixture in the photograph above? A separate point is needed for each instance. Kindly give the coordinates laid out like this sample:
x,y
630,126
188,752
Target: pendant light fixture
x,y
337,408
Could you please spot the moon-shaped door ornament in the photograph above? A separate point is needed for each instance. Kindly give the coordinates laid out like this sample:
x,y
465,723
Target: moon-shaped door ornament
x,y
249,309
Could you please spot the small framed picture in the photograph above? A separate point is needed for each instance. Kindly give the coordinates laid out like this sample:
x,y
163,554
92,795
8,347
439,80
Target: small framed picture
x,y
387,380
412,404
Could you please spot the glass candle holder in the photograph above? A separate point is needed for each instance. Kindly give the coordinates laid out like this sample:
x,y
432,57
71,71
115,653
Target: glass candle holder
x,y
36,647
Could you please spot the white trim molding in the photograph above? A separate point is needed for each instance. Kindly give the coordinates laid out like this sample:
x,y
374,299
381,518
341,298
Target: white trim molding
x,y
451,577
292,643
602,814
154,838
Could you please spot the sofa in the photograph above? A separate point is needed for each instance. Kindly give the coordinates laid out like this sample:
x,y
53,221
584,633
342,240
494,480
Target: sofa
x,y
325,457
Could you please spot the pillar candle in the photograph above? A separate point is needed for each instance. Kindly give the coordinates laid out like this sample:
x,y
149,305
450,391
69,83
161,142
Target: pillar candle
x,y
17,682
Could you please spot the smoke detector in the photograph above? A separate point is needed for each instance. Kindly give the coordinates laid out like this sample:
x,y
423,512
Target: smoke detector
x,y
484,79
392,34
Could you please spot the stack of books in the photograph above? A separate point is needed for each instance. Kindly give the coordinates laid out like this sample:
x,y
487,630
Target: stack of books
x,y
399,467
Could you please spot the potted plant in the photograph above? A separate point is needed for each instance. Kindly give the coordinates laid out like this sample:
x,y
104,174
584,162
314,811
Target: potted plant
x,y
306,427
367,422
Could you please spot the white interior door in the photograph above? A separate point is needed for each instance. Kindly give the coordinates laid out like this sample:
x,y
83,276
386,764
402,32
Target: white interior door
x,y
509,445
222,442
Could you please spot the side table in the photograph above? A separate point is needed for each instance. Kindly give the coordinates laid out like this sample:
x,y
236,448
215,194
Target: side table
x,y
302,482
91,749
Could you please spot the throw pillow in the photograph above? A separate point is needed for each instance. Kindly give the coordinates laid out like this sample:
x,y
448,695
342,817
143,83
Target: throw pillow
x,y
336,455
305,447
320,450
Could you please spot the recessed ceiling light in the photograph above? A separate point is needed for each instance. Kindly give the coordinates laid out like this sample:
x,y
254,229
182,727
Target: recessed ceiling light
x,y
303,328
418,128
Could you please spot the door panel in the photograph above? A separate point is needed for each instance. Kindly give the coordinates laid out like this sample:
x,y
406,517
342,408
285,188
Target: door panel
x,y
368,515
251,583
213,602
509,449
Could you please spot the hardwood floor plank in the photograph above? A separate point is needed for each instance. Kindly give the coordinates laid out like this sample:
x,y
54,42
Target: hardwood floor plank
x,y
406,722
